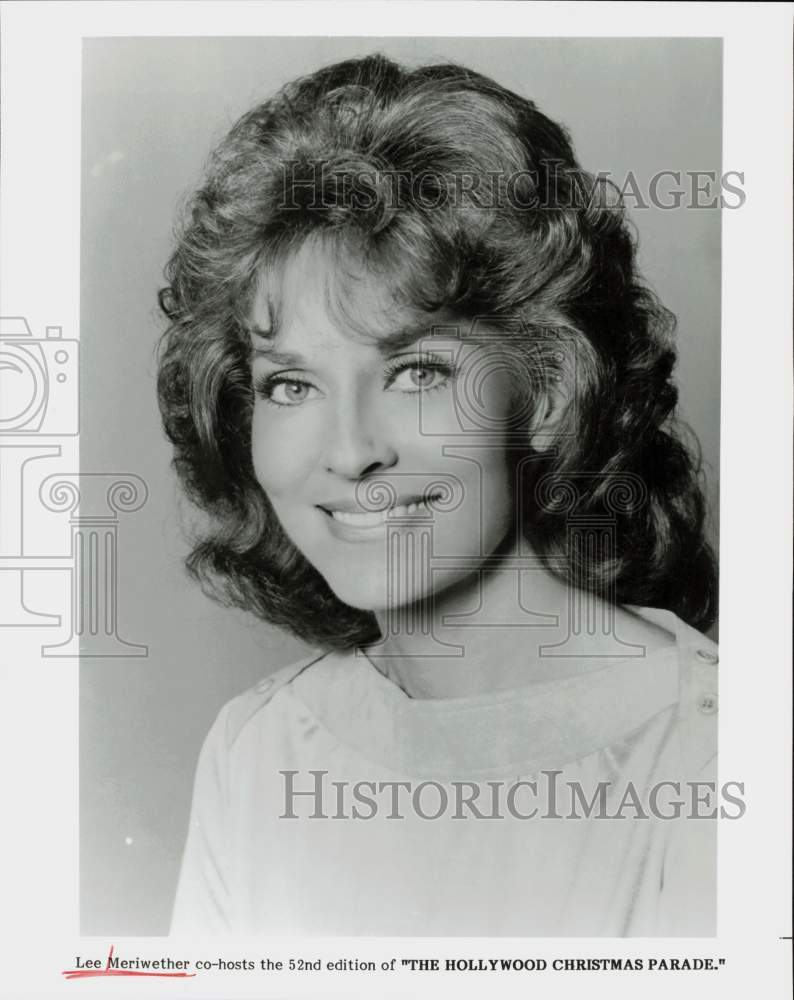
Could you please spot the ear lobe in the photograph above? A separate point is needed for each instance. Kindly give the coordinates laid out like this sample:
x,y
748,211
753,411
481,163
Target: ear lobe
x,y
547,420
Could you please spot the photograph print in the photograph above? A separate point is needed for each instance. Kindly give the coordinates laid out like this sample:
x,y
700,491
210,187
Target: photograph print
x,y
420,354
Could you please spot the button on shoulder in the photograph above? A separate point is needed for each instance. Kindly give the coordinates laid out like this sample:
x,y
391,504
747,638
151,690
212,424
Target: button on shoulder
x,y
707,703
244,707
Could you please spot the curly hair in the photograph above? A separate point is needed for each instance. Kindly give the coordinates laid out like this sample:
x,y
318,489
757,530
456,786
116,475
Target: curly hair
x,y
472,201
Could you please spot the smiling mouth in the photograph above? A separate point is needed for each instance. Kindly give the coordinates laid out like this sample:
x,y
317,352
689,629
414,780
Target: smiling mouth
x,y
376,518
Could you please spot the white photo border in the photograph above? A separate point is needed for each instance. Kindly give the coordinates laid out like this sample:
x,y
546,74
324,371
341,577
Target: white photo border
x,y
39,277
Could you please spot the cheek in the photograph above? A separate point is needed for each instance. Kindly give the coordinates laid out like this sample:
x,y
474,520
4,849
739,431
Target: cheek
x,y
497,489
479,403
284,450
499,513
486,513
496,506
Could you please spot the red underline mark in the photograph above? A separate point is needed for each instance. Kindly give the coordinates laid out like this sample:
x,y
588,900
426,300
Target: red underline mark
x,y
107,971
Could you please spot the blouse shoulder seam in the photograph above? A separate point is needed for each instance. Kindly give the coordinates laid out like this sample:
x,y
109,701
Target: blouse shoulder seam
x,y
242,709
698,705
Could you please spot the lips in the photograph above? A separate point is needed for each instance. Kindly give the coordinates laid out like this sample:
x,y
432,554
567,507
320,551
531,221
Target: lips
x,y
353,516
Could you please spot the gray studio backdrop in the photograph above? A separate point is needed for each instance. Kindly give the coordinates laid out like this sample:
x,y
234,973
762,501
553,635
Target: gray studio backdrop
x,y
152,108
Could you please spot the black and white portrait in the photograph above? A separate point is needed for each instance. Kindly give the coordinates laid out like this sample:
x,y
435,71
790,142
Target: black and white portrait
x,y
395,499
416,346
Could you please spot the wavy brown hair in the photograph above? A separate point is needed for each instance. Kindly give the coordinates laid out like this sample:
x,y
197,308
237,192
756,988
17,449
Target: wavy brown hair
x,y
472,202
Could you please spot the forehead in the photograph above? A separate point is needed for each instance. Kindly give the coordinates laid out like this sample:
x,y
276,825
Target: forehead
x,y
324,288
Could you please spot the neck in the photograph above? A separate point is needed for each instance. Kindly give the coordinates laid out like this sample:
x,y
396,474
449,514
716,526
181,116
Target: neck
x,y
480,635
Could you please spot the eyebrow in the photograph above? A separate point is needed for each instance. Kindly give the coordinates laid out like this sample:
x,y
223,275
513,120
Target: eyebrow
x,y
277,357
407,335
389,343
269,351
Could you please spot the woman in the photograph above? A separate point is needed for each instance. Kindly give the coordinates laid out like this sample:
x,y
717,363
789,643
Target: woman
x,y
414,380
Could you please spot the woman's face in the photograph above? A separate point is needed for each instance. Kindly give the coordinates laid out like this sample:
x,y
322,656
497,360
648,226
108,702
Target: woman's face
x,y
380,446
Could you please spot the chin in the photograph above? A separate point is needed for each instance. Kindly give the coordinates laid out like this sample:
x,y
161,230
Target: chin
x,y
376,599
370,592
359,593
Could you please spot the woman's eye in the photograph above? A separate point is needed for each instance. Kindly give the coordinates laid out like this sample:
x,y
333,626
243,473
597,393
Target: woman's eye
x,y
290,392
417,378
422,377
285,392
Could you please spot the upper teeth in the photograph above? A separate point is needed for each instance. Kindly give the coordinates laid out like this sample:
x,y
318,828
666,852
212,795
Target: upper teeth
x,y
371,518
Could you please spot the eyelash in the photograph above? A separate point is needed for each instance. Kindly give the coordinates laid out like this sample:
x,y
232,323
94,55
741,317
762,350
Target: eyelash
x,y
427,362
264,385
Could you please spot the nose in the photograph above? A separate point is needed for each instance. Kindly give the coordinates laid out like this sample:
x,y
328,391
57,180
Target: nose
x,y
358,444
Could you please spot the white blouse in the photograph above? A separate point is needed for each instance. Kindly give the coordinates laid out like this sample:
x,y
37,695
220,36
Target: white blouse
x,y
328,802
